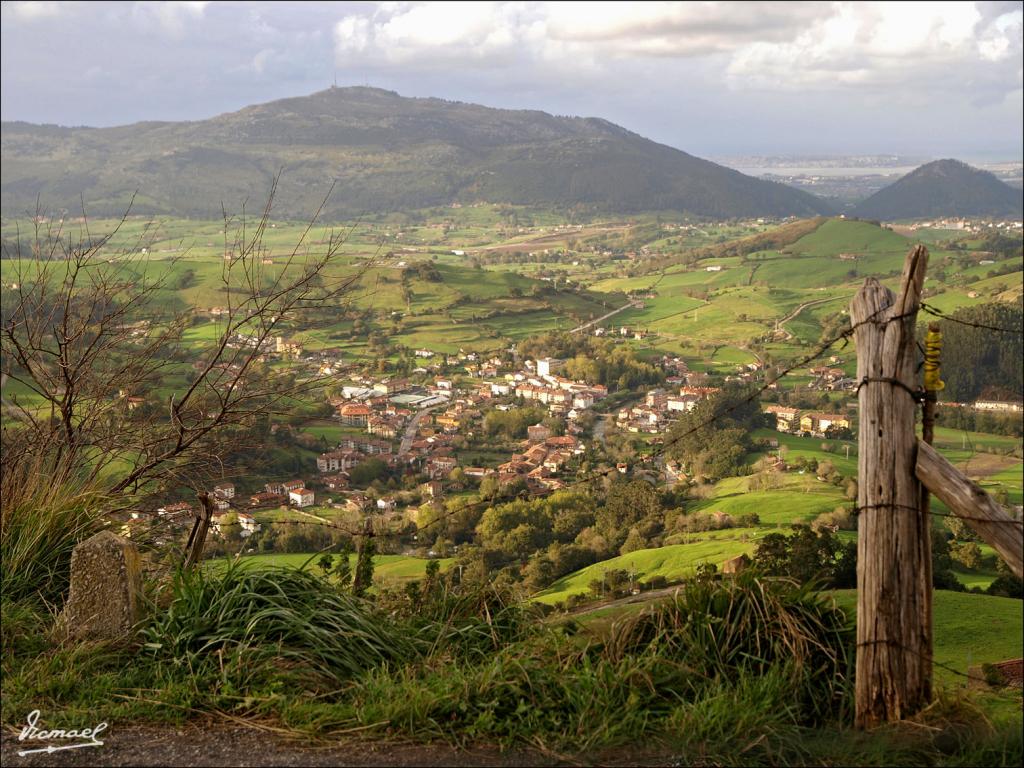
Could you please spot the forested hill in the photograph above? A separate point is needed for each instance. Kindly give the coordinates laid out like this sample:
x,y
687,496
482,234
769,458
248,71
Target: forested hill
x,y
386,153
943,188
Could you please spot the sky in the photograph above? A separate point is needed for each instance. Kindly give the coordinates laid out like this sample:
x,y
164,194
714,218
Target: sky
x,y
711,78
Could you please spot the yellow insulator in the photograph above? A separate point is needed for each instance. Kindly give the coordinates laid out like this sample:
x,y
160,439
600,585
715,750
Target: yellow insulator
x,y
932,358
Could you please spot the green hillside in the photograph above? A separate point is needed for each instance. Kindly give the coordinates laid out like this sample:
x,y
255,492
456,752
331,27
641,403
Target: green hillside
x,y
673,562
385,153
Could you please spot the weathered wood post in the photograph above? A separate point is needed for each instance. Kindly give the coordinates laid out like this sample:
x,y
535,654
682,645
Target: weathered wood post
x,y
200,529
894,641
969,502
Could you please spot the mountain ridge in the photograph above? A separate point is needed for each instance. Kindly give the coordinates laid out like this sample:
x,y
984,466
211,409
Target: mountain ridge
x,y
387,152
943,188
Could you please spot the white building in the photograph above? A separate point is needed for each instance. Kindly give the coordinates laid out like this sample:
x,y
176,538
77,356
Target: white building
x,y
547,366
301,497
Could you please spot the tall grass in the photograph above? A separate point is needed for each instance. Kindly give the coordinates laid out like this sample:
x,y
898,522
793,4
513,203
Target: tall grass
x,y
42,517
750,625
472,623
677,667
286,617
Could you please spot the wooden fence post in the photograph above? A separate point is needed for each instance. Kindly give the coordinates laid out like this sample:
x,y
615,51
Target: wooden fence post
x,y
976,508
200,529
894,642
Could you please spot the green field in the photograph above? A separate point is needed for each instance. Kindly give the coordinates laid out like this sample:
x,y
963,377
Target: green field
x,y
673,562
968,630
711,318
387,569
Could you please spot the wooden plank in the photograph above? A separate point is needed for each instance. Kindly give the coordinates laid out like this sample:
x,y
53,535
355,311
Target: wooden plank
x,y
894,643
968,501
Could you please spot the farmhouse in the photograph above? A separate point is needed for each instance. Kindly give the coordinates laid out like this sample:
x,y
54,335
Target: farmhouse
x,y
999,406
537,433
282,489
334,461
267,499
301,497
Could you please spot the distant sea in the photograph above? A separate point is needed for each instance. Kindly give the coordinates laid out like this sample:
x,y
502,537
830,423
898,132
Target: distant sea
x,y
796,170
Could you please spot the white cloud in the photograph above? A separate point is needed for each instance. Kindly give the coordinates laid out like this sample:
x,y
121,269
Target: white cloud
x,y
888,45
768,46
32,10
171,18
399,33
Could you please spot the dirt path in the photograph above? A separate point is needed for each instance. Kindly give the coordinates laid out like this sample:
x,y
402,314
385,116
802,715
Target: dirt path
x,y
216,745
583,327
801,308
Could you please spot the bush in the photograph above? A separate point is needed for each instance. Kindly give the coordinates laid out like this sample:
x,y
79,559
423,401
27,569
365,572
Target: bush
x,y
275,615
727,629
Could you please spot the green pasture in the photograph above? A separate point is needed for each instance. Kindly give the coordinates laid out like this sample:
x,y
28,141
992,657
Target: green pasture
x,y
968,629
386,568
803,498
673,562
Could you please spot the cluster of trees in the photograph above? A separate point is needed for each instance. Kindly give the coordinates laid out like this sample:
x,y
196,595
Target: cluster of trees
x,y
594,359
423,270
537,541
960,546
808,555
981,421
975,359
717,449
357,580
513,423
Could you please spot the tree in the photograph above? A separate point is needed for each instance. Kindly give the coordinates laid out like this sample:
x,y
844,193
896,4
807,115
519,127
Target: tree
x,y
325,564
968,554
633,542
84,332
713,438
805,555
364,566
1006,584
343,568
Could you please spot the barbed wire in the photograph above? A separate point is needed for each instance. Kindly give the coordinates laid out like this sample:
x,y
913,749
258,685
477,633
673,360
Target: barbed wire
x,y
929,658
822,348
936,312
893,505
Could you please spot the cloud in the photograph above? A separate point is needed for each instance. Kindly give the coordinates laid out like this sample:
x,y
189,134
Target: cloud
x,y
695,75
32,10
944,46
759,45
438,33
171,18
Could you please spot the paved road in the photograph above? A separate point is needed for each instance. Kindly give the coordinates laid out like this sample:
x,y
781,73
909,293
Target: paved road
x,y
410,430
631,305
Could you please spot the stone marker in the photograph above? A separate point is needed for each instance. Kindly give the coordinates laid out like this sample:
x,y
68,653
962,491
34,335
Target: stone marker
x,y
106,590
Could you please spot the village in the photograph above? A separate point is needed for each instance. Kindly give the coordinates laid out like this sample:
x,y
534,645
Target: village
x,y
418,427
